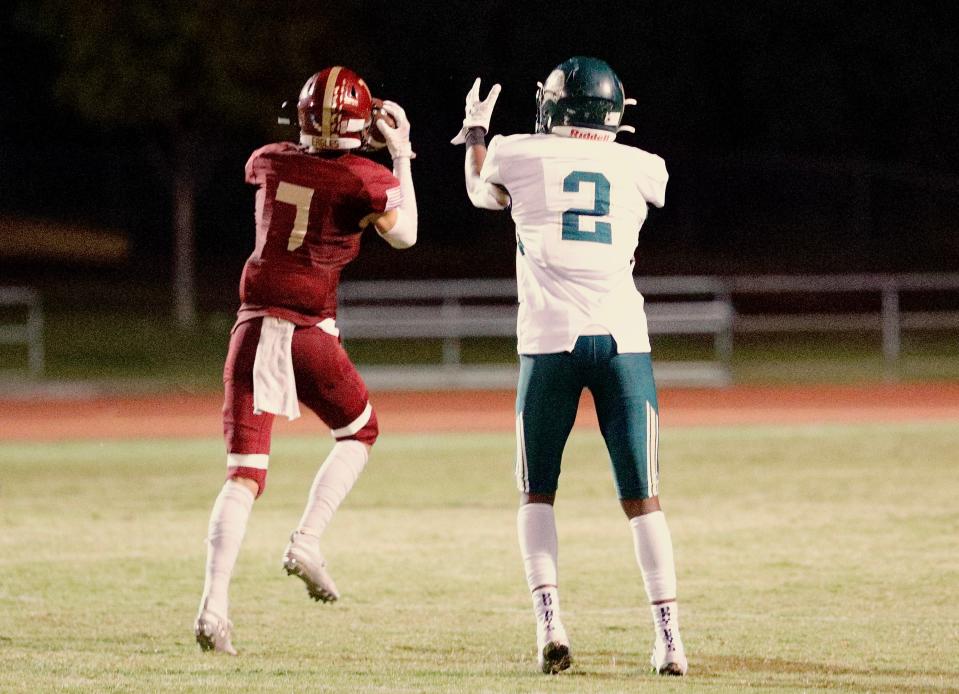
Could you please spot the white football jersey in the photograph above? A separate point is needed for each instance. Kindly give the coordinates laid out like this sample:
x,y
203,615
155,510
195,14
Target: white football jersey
x,y
578,206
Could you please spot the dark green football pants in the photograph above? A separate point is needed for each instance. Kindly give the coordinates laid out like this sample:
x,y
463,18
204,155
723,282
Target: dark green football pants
x,y
547,399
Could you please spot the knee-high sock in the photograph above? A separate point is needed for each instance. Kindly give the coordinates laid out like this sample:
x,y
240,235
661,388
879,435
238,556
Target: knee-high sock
x,y
654,554
228,520
536,528
332,483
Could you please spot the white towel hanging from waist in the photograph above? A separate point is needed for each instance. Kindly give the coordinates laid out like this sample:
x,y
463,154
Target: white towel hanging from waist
x,y
274,386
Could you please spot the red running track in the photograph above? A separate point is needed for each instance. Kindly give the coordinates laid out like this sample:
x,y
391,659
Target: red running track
x,y
176,415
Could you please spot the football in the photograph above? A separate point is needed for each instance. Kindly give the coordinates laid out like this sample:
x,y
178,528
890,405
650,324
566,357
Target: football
x,y
376,140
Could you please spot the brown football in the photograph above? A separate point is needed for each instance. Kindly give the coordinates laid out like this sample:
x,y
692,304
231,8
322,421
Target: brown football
x,y
376,137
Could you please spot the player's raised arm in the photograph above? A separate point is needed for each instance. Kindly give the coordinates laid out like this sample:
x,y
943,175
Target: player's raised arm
x,y
398,225
482,193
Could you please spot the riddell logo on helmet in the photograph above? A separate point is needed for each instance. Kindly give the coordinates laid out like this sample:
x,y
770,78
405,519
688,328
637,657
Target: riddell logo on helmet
x,y
586,134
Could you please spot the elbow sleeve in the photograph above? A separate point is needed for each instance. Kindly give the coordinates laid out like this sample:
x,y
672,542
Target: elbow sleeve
x,y
486,196
403,232
482,194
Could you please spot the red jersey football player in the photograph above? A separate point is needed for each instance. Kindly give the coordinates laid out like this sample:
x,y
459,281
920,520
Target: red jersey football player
x,y
313,201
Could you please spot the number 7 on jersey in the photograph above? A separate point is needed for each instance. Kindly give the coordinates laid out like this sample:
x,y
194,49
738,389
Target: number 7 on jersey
x,y
302,197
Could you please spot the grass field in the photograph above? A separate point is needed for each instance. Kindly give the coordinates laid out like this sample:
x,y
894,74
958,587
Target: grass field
x,y
809,558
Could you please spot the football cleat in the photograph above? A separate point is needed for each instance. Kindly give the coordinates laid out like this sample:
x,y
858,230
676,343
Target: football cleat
x,y
213,632
669,660
303,559
552,646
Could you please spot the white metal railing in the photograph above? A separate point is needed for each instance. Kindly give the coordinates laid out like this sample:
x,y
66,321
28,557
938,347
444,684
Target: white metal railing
x,y
28,332
454,309
451,310
890,320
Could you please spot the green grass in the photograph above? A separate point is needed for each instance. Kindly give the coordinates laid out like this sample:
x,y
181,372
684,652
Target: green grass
x,y
149,352
809,558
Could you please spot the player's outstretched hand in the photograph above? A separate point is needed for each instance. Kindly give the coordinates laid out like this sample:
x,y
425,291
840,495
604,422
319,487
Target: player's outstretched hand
x,y
397,138
478,112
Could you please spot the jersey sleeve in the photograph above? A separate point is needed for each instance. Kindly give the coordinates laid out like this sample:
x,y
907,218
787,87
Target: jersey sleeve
x,y
381,188
258,165
490,172
651,178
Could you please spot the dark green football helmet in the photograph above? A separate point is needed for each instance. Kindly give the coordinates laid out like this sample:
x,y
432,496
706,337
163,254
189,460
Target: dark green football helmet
x,y
581,92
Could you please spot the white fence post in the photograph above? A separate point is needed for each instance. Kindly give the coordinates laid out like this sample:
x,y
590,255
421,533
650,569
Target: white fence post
x,y
450,311
29,333
891,325
724,337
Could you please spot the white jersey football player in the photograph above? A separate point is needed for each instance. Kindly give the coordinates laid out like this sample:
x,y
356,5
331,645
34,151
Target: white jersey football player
x,y
578,200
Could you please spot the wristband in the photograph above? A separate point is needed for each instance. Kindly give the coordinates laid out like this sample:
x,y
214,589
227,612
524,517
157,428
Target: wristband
x,y
476,136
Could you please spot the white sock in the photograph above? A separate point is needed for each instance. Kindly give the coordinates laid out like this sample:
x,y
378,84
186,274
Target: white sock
x,y
228,519
536,528
332,483
546,606
666,621
654,554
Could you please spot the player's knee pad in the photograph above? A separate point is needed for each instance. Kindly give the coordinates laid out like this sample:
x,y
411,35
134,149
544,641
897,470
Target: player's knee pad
x,y
364,428
251,466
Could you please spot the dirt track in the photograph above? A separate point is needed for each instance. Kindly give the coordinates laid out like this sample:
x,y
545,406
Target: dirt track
x,y
199,415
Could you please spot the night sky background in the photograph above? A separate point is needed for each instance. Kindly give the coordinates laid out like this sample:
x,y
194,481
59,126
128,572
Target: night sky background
x,y
800,136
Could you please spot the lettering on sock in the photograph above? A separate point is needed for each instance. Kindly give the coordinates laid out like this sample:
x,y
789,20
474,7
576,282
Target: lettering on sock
x,y
664,615
547,601
664,620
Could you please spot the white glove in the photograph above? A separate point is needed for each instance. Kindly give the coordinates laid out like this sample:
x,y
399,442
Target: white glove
x,y
478,113
398,138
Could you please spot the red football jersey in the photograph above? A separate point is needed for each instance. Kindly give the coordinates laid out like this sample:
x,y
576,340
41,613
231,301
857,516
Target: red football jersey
x,y
308,213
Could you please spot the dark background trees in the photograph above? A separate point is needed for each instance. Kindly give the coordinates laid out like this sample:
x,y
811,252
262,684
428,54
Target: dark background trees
x,y
800,137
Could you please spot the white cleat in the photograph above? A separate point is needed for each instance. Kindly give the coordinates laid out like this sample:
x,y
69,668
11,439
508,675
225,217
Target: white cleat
x,y
302,558
669,660
552,646
213,632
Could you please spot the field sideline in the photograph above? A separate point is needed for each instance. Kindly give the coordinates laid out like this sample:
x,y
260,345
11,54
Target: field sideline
x,y
175,415
811,555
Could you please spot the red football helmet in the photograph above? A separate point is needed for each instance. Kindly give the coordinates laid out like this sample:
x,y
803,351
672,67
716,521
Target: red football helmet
x,y
335,110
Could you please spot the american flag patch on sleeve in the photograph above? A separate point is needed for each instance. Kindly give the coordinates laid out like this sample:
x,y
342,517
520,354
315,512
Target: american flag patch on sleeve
x,y
394,197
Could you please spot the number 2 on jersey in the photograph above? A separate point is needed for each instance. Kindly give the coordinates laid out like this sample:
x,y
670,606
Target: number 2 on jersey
x,y
301,196
602,231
